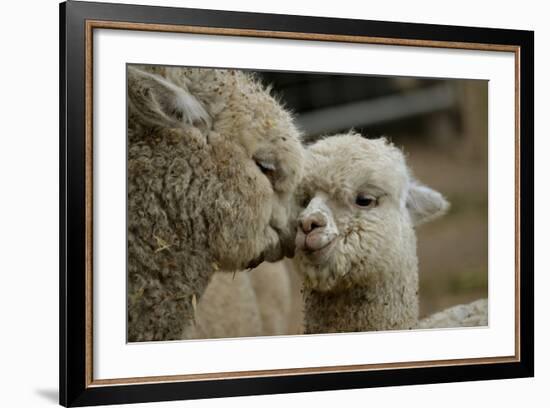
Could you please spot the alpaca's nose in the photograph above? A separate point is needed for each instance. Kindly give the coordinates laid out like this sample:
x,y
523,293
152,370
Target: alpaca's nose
x,y
312,222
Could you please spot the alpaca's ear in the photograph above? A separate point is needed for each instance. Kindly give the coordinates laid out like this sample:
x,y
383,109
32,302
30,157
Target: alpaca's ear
x,y
425,204
162,103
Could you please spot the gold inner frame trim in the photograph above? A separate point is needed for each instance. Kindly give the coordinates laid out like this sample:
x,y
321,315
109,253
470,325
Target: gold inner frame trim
x,y
100,24
297,371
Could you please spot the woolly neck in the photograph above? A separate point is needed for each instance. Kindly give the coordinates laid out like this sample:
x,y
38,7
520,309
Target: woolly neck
x,y
162,300
384,302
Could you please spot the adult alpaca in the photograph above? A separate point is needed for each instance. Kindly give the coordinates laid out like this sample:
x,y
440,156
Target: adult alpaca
x,y
356,245
213,161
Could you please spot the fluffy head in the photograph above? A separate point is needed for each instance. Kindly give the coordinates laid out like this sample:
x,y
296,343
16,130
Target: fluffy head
x,y
213,161
221,131
360,205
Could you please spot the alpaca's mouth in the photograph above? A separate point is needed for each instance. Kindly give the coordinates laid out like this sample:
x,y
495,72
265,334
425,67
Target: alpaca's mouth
x,y
321,250
275,251
314,250
255,262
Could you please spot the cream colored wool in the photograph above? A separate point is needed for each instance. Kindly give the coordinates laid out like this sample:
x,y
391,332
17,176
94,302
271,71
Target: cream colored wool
x,y
368,278
198,202
469,315
264,302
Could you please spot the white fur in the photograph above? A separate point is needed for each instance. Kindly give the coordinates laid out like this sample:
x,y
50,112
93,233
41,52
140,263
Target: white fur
x,y
366,278
468,315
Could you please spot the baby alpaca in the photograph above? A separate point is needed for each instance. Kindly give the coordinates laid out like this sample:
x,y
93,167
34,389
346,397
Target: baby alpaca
x,y
356,244
213,161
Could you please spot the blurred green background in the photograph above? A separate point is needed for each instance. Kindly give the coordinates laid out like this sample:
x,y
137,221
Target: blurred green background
x,y
442,126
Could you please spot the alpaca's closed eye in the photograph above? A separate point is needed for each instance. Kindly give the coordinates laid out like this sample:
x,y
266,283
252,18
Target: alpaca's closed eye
x,y
266,168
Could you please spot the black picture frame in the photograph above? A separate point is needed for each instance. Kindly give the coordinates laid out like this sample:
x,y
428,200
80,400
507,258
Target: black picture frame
x,y
76,389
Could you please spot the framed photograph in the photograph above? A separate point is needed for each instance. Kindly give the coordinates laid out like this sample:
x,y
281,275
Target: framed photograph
x,y
257,204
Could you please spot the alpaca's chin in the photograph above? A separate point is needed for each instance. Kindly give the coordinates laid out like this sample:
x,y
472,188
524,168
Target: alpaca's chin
x,y
277,248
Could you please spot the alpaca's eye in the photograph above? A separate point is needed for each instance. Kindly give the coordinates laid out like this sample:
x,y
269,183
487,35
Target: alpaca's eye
x,y
365,201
